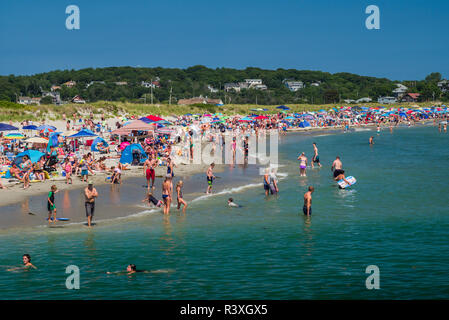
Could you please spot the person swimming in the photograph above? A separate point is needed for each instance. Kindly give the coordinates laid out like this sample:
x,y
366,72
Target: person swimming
x,y
132,268
232,204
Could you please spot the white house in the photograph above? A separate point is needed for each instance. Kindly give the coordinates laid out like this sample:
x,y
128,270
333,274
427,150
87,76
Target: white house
x,y
399,91
444,85
253,82
387,100
362,100
316,84
294,85
211,89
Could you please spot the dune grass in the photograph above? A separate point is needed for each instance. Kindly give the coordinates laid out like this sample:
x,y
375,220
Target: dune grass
x,y
10,111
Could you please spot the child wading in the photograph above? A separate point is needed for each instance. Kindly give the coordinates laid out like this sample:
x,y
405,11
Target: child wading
x,y
51,204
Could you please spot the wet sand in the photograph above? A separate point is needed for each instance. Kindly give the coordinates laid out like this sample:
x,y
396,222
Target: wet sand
x,y
116,201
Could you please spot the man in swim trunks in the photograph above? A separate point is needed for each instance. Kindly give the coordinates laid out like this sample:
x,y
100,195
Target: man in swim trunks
x,y
307,208
316,157
90,194
148,170
210,177
337,167
302,165
371,140
167,189
266,181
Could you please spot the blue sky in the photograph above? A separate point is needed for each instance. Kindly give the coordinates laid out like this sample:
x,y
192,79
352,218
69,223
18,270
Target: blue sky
x,y
326,35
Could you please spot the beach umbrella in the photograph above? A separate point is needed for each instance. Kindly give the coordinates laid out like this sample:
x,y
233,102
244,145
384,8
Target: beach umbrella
x,y
7,127
45,130
36,140
34,156
30,127
154,118
83,134
46,126
123,145
69,133
15,135
261,117
246,119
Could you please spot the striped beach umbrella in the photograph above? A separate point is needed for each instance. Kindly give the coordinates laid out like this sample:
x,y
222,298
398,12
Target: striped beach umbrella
x,y
14,135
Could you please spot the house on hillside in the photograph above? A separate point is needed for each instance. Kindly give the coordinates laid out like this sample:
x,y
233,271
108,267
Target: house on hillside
x,y
364,100
153,84
316,83
121,83
78,99
400,91
211,89
247,84
200,100
69,84
55,96
294,85
232,87
387,100
94,82
410,97
55,87
443,85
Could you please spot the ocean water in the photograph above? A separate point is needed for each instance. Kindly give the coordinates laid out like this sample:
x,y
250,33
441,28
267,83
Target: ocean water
x,y
396,217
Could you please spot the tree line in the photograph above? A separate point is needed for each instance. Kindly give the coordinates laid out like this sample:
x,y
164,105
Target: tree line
x,y
178,84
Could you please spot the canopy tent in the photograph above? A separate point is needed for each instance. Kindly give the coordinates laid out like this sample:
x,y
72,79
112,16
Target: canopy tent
x,y
7,127
82,134
34,156
136,125
127,154
97,140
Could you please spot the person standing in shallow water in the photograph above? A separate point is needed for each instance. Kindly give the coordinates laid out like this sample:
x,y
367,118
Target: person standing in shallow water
x,y
307,208
302,165
90,194
316,157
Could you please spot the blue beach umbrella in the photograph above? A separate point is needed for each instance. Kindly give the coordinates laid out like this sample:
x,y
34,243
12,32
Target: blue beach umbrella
x,y
83,134
30,127
7,127
34,156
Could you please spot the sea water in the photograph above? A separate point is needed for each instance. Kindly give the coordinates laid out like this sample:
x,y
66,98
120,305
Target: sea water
x,y
396,217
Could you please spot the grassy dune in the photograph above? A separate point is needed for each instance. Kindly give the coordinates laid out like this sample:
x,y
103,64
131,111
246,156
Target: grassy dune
x,y
16,112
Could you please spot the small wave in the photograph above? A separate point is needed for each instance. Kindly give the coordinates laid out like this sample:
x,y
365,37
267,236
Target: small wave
x,y
228,191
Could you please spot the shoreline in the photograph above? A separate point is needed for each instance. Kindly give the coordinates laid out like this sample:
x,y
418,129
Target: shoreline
x,y
10,196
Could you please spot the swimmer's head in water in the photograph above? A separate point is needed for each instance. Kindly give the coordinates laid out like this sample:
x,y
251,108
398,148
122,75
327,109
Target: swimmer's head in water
x,y
230,200
26,258
311,188
131,267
